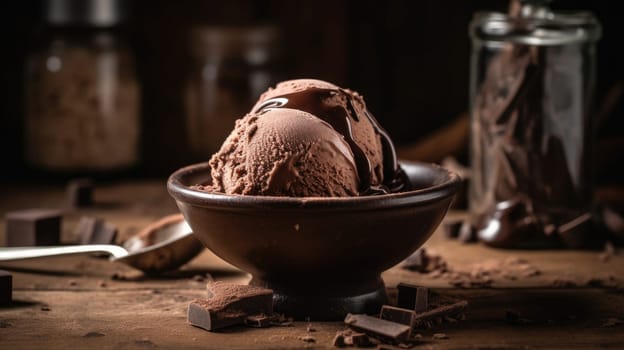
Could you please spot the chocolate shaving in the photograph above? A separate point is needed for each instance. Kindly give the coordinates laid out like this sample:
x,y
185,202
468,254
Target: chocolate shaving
x,y
449,310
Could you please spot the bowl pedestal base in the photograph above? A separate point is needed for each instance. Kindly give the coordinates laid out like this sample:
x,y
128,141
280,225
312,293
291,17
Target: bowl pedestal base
x,y
326,300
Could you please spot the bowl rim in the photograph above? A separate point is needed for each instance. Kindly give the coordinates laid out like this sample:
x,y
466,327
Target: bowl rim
x,y
184,193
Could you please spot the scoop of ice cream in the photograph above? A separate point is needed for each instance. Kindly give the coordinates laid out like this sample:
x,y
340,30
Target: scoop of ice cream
x,y
346,112
284,152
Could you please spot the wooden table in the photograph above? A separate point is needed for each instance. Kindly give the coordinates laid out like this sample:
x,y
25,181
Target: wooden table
x,y
76,302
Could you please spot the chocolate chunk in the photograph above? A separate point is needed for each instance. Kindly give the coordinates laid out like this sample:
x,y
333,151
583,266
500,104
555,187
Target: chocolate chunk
x,y
6,287
406,295
339,339
423,262
359,340
79,193
398,315
412,297
201,313
258,321
229,304
422,299
33,227
95,231
417,261
451,228
350,338
377,327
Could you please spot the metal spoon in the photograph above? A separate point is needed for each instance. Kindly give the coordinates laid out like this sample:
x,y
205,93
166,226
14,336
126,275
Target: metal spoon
x,y
162,246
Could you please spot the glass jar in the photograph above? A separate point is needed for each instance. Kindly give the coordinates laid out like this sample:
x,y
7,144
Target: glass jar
x,y
231,67
82,95
532,81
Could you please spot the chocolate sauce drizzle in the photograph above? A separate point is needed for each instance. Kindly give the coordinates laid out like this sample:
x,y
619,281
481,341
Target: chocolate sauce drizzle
x,y
312,100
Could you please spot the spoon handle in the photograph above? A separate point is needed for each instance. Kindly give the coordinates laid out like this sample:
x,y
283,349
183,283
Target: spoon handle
x,y
16,253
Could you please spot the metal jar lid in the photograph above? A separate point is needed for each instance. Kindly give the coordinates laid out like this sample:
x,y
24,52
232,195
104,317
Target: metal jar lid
x,y
98,13
536,24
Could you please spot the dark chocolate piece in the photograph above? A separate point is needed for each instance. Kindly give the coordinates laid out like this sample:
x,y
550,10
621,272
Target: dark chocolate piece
x,y
95,231
398,315
229,304
80,193
351,338
451,228
412,297
33,227
406,296
417,261
423,262
359,340
422,299
377,327
339,339
6,287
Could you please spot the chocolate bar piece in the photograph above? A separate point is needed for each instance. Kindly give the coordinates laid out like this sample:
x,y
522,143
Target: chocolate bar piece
x,y
79,193
229,304
398,315
95,231
377,327
412,297
201,313
33,227
422,299
6,287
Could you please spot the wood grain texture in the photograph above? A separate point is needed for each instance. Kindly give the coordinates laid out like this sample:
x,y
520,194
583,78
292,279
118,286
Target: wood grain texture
x,y
85,301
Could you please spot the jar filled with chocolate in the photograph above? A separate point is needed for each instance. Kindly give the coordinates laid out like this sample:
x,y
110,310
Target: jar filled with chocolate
x,y
82,95
532,81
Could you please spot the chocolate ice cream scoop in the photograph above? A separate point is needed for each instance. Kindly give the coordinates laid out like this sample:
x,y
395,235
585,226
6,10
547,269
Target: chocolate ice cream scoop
x,y
346,112
284,152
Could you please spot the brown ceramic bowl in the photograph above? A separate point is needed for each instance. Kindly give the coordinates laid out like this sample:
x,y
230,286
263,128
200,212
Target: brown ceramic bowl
x,y
322,256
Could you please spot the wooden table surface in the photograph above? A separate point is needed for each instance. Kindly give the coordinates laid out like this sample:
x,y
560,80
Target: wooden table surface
x,y
76,302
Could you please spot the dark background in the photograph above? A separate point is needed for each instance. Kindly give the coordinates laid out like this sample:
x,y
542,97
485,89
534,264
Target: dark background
x,y
410,59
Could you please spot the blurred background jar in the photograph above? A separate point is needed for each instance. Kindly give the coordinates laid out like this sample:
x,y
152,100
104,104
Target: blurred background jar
x,y
232,66
531,129
82,95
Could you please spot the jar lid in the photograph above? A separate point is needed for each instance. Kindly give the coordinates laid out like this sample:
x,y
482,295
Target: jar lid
x,y
536,24
98,13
